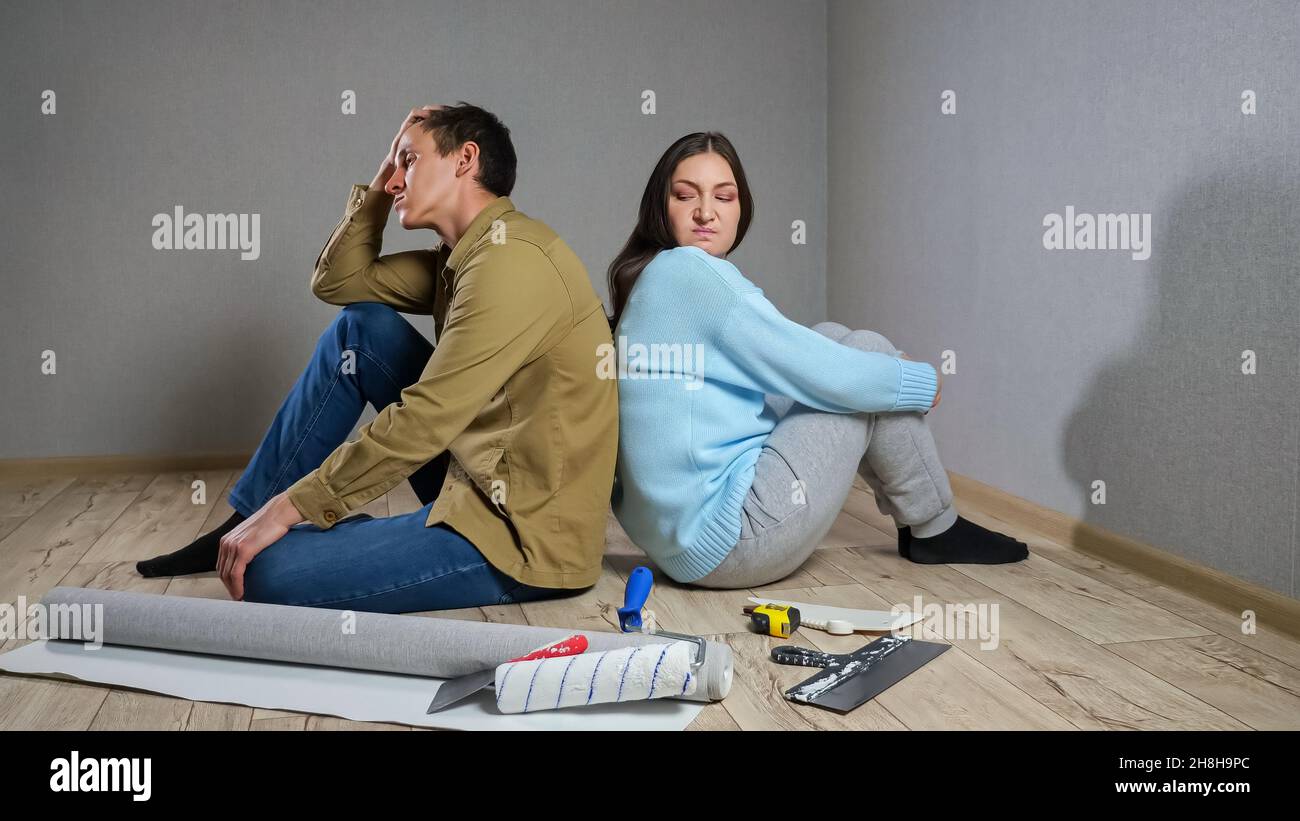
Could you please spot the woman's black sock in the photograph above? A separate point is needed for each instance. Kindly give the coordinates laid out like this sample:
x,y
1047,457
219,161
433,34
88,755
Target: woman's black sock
x,y
963,543
198,556
905,542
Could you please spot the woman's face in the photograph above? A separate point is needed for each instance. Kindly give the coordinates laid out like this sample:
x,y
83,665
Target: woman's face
x,y
704,203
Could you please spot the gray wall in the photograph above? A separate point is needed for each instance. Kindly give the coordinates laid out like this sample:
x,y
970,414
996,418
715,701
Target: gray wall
x,y
235,108
1074,366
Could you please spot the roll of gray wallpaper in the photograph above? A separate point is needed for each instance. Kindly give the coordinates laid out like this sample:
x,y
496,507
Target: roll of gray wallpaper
x,y
413,645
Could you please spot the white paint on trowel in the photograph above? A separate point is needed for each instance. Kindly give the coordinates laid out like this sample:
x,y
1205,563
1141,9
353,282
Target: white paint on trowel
x,y
814,687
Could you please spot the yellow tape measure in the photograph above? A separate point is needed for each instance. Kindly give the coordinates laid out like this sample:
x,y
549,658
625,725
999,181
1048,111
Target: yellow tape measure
x,y
774,619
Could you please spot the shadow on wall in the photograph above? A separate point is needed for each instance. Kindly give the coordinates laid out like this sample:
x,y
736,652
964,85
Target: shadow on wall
x,y
1198,458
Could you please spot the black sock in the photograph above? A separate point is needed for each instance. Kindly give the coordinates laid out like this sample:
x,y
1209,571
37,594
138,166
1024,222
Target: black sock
x,y
905,542
198,556
964,543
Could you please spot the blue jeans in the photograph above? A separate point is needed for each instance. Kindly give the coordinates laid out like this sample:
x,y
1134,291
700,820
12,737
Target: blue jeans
x,y
389,565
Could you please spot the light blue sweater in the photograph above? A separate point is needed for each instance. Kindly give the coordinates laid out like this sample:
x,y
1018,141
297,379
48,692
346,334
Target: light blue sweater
x,y
701,346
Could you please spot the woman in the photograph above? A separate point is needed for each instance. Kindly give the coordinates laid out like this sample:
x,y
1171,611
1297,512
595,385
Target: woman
x,y
740,430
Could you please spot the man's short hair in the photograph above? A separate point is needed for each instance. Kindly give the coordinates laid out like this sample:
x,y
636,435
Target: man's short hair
x,y
453,126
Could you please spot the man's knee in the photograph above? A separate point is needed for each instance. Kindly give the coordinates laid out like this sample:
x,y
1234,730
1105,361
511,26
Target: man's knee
x,y
369,315
265,581
370,324
260,587
865,340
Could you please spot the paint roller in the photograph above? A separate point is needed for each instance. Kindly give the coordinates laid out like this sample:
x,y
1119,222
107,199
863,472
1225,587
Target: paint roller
x,y
627,674
637,673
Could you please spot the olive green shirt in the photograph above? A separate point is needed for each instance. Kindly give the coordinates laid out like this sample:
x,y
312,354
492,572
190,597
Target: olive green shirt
x,y
511,389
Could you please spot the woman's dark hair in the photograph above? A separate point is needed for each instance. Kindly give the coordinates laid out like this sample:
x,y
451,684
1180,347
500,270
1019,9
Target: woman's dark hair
x,y
653,233
454,125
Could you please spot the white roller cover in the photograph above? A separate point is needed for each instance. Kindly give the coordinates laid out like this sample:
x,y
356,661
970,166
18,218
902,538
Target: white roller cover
x,y
626,674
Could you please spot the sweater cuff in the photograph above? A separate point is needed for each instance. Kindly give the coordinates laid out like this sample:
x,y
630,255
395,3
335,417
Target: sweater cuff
x,y
918,384
314,501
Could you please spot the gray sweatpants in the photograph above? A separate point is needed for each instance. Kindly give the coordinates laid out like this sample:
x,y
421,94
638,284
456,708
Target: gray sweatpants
x,y
805,472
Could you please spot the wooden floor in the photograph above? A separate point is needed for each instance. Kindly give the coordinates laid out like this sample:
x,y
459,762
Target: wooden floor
x,y
1081,644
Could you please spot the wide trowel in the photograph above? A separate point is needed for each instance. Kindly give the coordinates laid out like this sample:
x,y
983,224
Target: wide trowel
x,y
851,680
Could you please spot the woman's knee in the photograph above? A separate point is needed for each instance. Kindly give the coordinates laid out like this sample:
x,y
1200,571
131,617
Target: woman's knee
x,y
865,340
834,330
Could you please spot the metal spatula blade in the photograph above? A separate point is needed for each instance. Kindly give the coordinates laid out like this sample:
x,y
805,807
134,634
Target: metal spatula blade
x,y
454,689
857,690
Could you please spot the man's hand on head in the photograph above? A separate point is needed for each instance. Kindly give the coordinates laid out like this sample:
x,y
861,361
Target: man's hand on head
x,y
389,165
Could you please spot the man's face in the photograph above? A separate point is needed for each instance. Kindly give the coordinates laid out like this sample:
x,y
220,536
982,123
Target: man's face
x,y
423,181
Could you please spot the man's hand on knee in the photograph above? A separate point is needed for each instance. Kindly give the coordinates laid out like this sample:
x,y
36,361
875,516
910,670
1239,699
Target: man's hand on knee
x,y
253,535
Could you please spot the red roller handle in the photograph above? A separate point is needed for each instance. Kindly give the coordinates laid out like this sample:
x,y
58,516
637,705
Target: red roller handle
x,y
572,646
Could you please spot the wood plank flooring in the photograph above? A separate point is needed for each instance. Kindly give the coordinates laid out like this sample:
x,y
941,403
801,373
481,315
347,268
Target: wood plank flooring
x,y
1080,644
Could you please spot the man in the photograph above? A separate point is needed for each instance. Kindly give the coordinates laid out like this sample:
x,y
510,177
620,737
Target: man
x,y
504,428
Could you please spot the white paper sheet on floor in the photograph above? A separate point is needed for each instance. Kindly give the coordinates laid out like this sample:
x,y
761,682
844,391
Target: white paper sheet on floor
x,y
298,659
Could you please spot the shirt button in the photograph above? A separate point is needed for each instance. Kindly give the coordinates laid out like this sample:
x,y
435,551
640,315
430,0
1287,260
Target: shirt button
x,y
330,516
357,201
